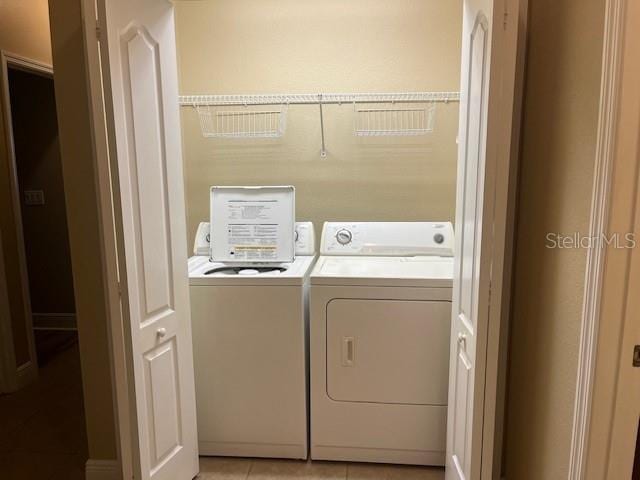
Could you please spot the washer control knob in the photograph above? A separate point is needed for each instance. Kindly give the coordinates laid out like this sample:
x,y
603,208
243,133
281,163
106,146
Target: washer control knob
x,y
296,236
344,236
438,238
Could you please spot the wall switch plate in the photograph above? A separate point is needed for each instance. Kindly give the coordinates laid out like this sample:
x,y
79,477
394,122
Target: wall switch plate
x,y
34,197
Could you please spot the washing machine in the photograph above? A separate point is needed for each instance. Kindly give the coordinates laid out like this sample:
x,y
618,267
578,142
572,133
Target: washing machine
x,y
250,331
379,342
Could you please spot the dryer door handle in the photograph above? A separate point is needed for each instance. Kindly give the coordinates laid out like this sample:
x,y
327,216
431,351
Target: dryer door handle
x,y
348,351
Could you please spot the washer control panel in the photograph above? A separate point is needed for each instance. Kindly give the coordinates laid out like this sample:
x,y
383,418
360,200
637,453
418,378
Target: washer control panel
x,y
304,237
387,238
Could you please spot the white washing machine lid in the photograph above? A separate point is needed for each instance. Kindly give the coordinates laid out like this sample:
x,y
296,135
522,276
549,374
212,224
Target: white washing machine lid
x,y
252,225
204,272
428,271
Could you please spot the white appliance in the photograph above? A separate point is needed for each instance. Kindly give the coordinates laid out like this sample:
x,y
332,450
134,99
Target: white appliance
x,y
250,331
379,342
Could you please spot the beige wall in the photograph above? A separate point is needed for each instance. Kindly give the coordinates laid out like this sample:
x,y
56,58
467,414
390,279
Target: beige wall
x,y
283,46
80,193
24,31
556,174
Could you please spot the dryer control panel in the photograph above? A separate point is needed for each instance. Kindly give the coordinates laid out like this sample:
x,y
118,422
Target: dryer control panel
x,y
404,239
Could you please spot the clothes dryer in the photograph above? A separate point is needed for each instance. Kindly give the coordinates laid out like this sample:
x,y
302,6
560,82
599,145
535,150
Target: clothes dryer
x,y
380,329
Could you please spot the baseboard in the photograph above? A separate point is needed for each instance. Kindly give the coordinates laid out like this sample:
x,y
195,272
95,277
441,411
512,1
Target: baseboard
x,y
102,470
26,374
54,321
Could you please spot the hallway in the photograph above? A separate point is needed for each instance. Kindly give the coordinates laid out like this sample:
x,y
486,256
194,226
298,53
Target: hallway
x,y
43,427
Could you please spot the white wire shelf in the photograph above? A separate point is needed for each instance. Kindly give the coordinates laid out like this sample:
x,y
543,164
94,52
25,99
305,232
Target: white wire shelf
x,y
242,123
317,98
391,121
378,122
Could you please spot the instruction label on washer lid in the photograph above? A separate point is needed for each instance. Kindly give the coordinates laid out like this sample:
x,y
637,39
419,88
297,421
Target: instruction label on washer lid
x,y
252,224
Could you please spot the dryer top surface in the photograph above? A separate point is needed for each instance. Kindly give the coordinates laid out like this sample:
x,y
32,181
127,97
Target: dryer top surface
x,y
429,271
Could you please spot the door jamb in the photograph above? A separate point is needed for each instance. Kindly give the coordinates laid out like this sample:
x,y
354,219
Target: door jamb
x,y
7,362
22,375
110,248
613,204
513,24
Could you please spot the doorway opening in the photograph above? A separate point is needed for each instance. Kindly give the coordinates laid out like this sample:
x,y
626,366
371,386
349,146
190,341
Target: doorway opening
x,y
41,400
134,73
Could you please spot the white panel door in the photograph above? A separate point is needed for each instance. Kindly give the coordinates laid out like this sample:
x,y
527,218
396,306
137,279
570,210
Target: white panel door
x,y
140,74
471,275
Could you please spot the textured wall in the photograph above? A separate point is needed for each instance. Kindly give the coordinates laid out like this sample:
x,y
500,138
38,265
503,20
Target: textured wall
x,y
282,46
556,174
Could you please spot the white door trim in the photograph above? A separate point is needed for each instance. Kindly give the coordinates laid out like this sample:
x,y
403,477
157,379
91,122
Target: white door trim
x,y
600,206
23,374
514,26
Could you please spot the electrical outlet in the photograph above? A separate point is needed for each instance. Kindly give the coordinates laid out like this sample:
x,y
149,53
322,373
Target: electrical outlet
x,y
34,197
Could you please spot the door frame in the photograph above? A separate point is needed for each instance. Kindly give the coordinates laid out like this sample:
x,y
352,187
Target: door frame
x,y
511,20
19,376
7,362
514,23
600,211
109,213
599,403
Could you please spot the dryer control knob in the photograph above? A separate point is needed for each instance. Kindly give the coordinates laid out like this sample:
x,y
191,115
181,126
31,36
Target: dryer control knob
x,y
344,236
438,238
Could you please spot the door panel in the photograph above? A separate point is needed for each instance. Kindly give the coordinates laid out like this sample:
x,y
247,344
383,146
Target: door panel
x,y
473,169
163,395
140,81
461,405
471,277
147,173
143,105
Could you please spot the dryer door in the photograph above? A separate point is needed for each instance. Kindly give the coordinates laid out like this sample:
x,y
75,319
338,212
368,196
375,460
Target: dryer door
x,y
388,351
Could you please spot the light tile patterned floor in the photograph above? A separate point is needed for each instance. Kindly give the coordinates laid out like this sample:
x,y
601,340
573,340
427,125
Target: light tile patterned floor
x,y
43,438
227,468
